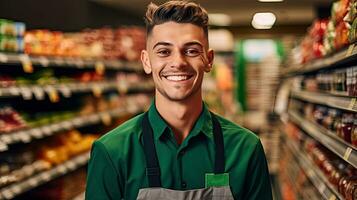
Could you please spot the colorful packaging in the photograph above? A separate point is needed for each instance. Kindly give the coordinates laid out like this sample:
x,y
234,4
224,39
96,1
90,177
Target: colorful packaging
x,y
11,44
10,28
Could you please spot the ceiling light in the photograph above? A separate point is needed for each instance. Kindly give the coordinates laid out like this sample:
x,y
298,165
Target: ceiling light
x,y
264,20
219,19
270,0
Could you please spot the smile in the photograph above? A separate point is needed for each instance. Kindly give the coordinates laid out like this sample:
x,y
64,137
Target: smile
x,y
177,77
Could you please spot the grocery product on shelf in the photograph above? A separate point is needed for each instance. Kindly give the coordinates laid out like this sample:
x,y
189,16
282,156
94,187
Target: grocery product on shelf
x,y
10,120
328,35
339,122
64,146
338,173
340,81
122,43
11,36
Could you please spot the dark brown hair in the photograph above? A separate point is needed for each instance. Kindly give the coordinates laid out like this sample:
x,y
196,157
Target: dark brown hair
x,y
176,11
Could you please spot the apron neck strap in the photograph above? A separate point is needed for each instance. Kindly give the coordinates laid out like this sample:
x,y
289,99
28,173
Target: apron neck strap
x,y
152,163
219,145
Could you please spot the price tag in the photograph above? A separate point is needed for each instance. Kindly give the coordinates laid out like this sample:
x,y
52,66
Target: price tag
x,y
14,91
3,146
53,94
97,90
123,87
106,119
24,137
8,194
67,125
46,130
64,89
352,103
26,93
350,50
33,181
100,67
45,177
332,197
347,154
6,138
44,61
38,93
79,63
3,58
71,165
56,127
322,188
36,132
69,61
26,63
78,122
62,169
59,61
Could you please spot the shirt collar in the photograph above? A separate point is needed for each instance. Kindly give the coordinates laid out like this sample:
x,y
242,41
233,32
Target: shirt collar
x,y
203,123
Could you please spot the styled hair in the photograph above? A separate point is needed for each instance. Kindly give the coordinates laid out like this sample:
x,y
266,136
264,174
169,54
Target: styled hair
x,y
176,11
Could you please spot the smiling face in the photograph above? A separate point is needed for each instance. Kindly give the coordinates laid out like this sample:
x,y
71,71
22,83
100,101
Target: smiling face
x,y
177,55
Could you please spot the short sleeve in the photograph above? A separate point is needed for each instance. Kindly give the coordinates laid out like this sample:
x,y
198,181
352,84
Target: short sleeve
x,y
258,185
102,178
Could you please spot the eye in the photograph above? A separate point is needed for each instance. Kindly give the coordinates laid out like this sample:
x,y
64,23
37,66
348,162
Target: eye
x,y
192,52
163,52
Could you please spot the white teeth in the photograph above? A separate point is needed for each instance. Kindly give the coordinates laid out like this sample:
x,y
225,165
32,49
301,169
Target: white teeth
x,y
177,78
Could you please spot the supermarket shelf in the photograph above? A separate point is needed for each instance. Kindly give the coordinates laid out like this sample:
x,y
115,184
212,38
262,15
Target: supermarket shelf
x,y
345,103
15,189
39,92
27,136
327,138
347,55
88,63
79,197
317,178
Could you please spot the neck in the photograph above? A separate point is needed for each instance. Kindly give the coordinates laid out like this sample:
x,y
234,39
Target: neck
x,y
180,115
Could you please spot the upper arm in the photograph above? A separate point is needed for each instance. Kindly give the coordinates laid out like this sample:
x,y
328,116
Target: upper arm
x,y
257,184
102,178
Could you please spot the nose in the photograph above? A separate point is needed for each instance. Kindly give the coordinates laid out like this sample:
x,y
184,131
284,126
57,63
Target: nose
x,y
178,60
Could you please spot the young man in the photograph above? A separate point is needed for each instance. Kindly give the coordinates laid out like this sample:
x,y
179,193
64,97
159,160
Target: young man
x,y
178,149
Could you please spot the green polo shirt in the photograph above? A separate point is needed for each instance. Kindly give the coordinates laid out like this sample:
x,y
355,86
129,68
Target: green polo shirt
x,y
116,168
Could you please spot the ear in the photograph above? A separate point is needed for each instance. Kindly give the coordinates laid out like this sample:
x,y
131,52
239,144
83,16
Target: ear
x,y
210,58
145,61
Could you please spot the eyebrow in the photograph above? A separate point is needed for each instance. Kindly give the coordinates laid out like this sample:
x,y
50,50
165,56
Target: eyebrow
x,y
162,43
186,44
193,43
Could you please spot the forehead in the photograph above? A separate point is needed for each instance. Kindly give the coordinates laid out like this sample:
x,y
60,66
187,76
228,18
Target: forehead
x,y
176,33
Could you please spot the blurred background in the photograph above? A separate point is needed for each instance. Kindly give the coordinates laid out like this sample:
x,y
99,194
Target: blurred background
x,y
285,69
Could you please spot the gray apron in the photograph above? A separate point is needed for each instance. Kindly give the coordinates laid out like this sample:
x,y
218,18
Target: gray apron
x,y
156,192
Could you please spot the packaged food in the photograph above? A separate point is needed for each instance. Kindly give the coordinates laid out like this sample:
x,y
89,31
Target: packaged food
x,y
11,44
342,32
346,127
354,132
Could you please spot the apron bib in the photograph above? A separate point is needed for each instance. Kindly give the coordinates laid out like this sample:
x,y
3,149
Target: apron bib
x,y
156,192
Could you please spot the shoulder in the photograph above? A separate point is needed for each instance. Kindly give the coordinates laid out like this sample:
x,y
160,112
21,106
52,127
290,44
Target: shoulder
x,y
122,135
236,135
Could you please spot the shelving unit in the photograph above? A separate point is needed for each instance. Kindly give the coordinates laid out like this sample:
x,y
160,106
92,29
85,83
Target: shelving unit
x,y
81,63
29,135
38,92
342,57
344,150
15,189
344,103
99,93
327,191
